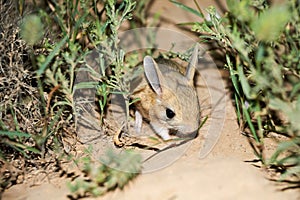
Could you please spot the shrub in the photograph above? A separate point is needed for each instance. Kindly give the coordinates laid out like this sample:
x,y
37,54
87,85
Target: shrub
x,y
260,44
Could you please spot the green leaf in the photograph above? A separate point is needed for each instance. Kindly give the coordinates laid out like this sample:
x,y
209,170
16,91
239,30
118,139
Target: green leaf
x,y
244,82
289,110
298,103
32,29
241,10
233,76
238,110
271,23
86,85
51,56
134,100
295,90
189,9
12,134
278,104
203,122
250,124
34,150
202,28
282,146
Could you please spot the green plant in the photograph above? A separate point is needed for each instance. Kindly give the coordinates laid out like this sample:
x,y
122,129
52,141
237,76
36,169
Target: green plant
x,y
260,43
68,56
24,129
40,61
114,171
110,55
116,55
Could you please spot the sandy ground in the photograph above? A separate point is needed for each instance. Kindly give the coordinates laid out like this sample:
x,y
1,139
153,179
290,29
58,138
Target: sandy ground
x,y
195,171
228,172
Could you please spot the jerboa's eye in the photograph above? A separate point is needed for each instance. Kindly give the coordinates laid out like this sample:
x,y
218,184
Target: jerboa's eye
x,y
170,114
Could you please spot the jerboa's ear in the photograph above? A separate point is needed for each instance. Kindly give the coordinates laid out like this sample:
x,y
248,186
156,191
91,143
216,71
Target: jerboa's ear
x,y
190,71
153,74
